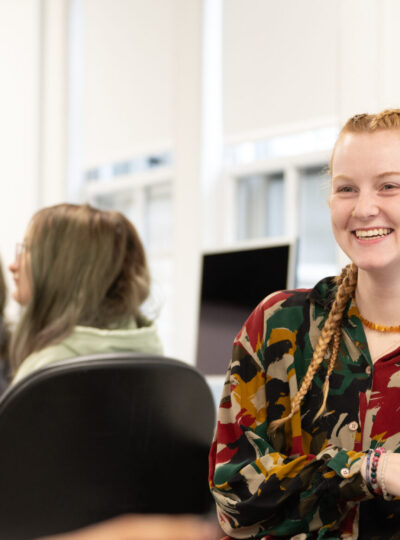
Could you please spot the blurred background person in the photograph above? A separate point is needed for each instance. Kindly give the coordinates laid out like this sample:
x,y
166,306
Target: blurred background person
x,y
4,336
81,276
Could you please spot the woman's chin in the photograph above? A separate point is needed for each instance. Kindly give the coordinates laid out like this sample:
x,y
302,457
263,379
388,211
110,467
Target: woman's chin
x,y
378,267
20,299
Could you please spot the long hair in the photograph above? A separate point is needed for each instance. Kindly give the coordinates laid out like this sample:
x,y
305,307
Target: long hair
x,y
329,339
4,327
86,267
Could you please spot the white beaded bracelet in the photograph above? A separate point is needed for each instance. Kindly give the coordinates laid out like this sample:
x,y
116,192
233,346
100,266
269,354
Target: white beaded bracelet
x,y
385,494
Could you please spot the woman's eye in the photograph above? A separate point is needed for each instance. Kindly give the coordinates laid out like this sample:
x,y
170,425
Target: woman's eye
x,y
387,187
345,189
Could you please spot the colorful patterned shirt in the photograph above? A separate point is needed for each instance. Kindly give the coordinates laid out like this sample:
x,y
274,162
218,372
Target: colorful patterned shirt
x,y
304,481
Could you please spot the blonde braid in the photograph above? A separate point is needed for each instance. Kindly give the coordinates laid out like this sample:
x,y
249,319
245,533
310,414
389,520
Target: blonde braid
x,y
332,362
335,346
331,330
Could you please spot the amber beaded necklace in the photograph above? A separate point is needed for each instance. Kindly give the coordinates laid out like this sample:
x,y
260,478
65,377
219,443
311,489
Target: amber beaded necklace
x,y
379,327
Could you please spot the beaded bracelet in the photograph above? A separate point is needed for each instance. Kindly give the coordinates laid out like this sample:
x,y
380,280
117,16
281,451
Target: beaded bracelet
x,y
379,451
367,472
385,494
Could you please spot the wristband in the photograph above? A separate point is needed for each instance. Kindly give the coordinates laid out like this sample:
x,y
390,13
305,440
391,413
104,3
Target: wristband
x,y
377,454
367,472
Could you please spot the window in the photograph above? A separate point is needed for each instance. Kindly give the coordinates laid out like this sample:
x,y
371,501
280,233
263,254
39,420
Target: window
x,y
317,248
260,206
276,194
158,218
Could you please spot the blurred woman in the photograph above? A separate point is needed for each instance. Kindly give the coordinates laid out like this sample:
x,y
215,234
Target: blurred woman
x,y
4,336
81,275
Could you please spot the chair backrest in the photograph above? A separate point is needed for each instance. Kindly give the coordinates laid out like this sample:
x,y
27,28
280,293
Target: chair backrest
x,y
93,437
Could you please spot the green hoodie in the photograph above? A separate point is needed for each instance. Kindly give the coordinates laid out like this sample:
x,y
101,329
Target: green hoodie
x,y
86,340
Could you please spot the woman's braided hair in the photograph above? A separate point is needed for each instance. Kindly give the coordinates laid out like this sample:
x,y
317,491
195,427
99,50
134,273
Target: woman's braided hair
x,y
329,338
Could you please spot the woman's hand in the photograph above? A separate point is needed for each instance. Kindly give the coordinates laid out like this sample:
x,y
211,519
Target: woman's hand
x,y
137,527
391,473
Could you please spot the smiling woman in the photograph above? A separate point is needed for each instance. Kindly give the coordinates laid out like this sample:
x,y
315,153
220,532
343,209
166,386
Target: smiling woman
x,y
365,199
308,440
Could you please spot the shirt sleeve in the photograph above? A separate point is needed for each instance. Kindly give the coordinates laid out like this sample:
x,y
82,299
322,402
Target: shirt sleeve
x,y
271,484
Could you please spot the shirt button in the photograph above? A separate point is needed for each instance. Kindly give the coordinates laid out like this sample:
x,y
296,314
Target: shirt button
x,y
345,472
368,370
353,426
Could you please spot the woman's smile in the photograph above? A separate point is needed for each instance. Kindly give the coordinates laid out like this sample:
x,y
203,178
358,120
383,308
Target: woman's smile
x,y
372,234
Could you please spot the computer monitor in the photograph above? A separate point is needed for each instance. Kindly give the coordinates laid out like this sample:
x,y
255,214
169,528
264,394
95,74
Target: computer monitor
x,y
233,282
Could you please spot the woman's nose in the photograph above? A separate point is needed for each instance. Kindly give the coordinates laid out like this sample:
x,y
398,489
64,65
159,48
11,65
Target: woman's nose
x,y
13,266
366,206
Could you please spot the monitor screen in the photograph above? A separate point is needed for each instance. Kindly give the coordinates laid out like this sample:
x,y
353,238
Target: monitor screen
x,y
232,284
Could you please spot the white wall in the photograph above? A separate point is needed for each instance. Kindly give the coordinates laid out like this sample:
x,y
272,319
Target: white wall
x,y
129,56
19,113
53,111
290,64
279,63
32,112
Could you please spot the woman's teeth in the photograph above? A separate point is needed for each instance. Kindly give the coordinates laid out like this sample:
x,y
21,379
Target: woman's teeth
x,y
373,233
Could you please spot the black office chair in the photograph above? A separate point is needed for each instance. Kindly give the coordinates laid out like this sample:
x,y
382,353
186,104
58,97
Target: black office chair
x,y
87,439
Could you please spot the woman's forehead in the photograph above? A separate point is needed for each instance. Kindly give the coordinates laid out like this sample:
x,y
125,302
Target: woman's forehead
x,y
378,152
